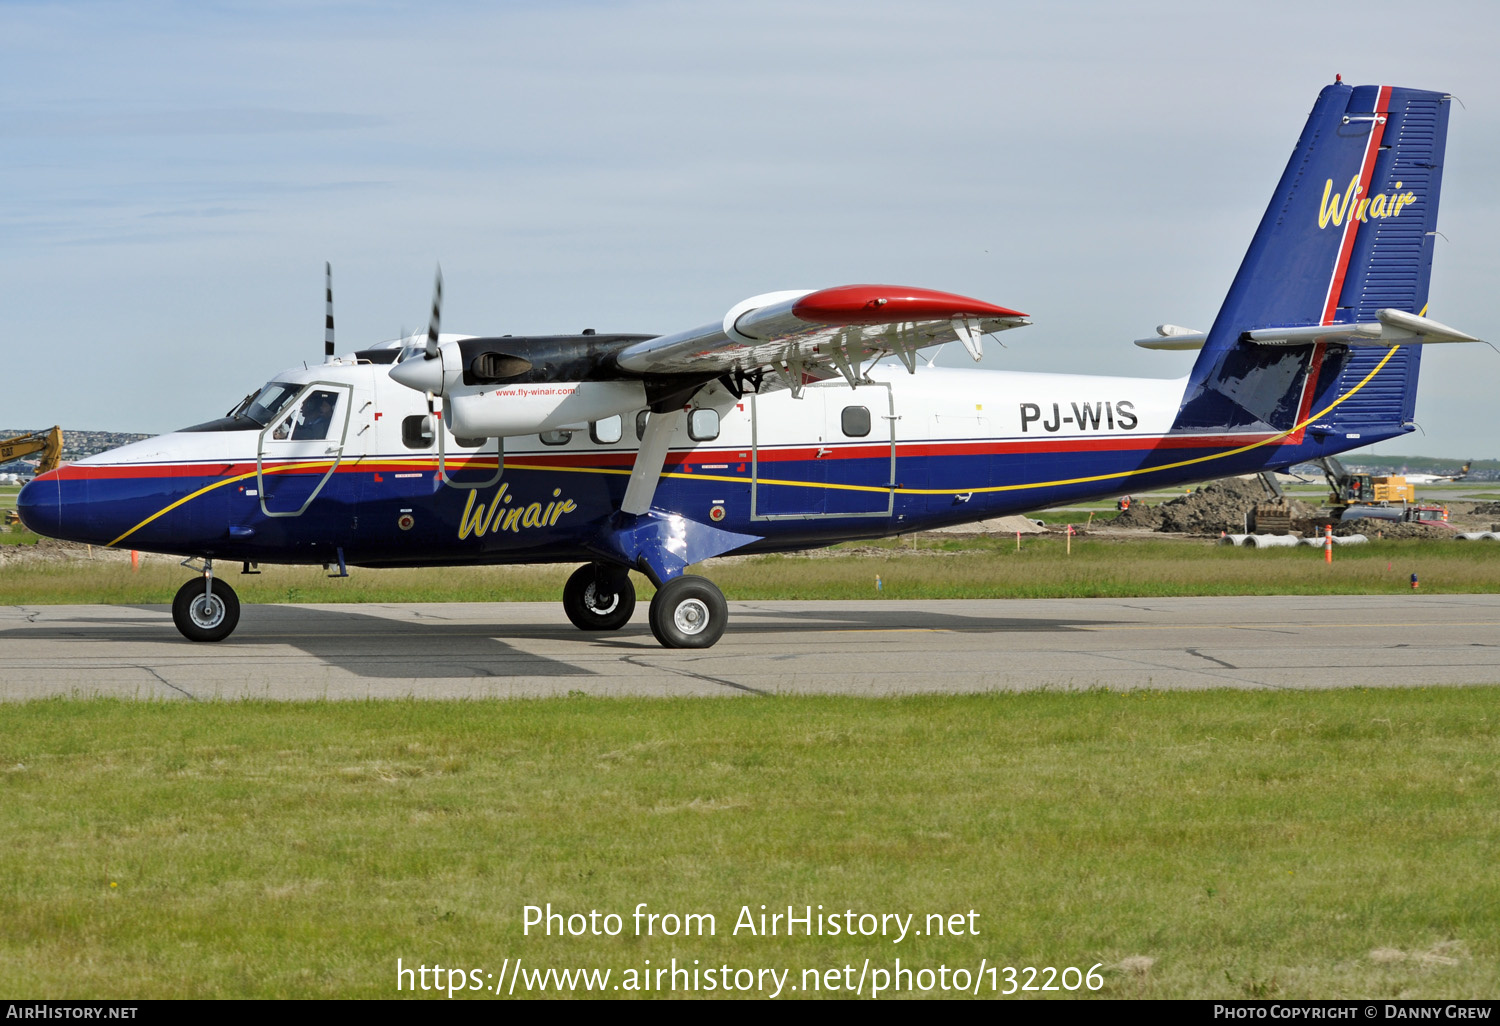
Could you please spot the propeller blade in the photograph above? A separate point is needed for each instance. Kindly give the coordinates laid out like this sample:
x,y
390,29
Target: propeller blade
x,y
328,327
437,314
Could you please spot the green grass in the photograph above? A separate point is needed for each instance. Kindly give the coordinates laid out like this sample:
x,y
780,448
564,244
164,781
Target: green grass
x,y
16,535
1317,844
1077,516
941,567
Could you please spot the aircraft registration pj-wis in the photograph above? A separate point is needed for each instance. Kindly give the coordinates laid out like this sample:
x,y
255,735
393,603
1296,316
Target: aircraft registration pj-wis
x,y
798,419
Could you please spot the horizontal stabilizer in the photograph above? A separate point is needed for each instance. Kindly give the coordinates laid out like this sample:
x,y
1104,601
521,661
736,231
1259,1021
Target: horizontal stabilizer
x,y
1193,341
1172,336
1390,328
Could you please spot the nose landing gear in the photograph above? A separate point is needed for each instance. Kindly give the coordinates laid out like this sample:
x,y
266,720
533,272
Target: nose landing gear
x,y
206,609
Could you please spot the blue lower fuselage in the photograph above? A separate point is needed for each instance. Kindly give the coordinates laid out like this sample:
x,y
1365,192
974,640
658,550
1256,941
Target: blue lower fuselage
x,y
395,511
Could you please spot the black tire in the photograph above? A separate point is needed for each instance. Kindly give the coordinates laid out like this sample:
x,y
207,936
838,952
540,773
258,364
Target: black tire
x,y
599,598
688,612
204,617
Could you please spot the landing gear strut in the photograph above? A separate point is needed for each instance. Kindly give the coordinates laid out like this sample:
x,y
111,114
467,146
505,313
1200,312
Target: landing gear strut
x,y
599,597
688,612
206,609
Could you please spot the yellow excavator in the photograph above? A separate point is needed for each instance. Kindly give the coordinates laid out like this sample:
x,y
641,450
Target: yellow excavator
x,y
48,443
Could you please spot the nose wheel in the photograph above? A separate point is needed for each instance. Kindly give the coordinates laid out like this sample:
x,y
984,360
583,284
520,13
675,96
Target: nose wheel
x,y
688,612
206,610
599,597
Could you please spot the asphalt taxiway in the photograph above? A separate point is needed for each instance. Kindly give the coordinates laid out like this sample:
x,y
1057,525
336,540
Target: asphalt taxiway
x,y
446,650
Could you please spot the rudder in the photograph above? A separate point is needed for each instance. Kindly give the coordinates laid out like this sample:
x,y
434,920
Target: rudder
x,y
1348,232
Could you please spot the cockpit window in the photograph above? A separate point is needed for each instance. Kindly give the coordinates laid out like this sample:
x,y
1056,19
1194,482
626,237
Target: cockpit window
x,y
311,420
271,401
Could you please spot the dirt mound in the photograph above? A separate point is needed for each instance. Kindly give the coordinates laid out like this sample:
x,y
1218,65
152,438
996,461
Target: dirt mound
x,y
1389,529
1216,506
1486,509
1139,517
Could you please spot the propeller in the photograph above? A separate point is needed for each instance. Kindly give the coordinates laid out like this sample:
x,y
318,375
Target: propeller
x,y
437,315
328,327
427,374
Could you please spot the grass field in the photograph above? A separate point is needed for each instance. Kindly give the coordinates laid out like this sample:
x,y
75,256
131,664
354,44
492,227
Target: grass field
x,y
939,567
1219,844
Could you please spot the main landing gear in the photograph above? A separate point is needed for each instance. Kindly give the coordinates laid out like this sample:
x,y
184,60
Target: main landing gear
x,y
686,612
206,609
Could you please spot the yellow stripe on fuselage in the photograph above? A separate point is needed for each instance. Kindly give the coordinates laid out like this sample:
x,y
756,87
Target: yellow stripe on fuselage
x,y
1116,476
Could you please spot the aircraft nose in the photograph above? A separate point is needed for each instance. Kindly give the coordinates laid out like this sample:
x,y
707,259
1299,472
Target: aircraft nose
x,y
40,505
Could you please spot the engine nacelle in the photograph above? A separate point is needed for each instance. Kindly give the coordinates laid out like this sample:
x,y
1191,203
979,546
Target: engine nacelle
x,y
543,406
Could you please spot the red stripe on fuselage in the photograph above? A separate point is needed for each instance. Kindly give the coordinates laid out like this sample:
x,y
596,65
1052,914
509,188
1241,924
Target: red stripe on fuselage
x,y
935,448
1352,222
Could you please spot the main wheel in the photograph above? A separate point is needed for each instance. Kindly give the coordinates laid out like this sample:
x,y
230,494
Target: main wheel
x,y
688,612
599,598
204,615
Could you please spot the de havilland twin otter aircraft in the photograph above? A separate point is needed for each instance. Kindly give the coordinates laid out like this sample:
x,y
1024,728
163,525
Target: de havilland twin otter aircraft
x,y
782,426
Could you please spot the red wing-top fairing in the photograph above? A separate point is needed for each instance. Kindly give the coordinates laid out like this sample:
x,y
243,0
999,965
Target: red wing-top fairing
x,y
798,419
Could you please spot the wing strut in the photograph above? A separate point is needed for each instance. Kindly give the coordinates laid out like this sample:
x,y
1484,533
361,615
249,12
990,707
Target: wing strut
x,y
847,359
658,543
969,335
649,461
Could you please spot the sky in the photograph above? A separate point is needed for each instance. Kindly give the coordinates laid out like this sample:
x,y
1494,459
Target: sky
x,y
174,175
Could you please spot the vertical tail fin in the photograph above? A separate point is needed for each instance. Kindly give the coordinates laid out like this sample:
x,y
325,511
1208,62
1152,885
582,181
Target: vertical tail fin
x,y
1348,231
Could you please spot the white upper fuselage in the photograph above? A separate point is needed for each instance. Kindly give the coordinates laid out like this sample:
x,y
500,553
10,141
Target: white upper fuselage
x,y
933,405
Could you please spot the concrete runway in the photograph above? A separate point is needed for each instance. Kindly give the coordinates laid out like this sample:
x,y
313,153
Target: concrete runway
x,y
442,650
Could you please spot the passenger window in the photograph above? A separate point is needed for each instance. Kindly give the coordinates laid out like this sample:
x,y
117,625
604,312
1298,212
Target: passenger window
x,y
640,424
607,431
416,432
703,425
467,443
556,437
856,421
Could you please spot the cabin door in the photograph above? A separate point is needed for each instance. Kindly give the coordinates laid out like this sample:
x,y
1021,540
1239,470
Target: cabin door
x,y
831,453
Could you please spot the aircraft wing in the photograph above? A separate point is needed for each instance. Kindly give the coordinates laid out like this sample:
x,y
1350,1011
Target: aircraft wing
x,y
504,386
794,332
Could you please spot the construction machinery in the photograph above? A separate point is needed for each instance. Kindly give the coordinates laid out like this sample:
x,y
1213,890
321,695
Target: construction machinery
x,y
1350,489
1274,514
1376,497
48,443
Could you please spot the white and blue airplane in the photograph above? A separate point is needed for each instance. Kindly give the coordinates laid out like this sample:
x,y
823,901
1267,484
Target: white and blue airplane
x,y
784,425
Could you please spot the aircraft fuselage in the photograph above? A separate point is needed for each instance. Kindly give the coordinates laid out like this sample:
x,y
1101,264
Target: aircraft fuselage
x,y
898,454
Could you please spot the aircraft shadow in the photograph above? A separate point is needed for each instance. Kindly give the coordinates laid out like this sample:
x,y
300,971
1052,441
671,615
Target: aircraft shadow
x,y
374,646
753,621
362,644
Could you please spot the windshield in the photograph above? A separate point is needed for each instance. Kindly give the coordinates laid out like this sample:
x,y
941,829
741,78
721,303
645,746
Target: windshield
x,y
268,403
